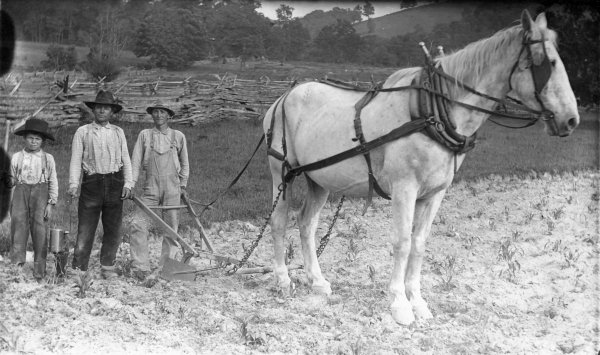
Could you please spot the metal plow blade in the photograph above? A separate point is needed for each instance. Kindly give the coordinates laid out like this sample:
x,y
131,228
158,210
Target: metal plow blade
x,y
176,270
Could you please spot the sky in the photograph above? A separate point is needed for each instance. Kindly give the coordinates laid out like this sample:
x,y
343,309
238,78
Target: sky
x,y
301,8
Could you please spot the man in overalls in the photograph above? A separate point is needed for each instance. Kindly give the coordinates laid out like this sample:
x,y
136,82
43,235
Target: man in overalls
x,y
162,153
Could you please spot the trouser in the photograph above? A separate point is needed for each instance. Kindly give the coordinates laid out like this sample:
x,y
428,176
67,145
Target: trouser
x,y
160,190
27,216
100,196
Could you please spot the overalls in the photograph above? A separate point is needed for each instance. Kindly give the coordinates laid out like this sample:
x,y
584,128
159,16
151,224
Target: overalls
x,y
27,215
162,188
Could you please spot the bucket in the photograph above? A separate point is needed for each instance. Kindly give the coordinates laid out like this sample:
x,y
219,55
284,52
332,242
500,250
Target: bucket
x,y
56,242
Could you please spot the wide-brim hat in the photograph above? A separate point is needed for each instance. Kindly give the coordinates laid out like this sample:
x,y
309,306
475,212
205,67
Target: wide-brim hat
x,y
104,98
160,106
34,125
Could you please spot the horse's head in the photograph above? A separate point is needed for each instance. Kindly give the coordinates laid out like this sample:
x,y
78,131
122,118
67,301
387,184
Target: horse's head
x,y
539,78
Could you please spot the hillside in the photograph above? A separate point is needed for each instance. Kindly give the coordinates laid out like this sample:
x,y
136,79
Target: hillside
x,y
426,17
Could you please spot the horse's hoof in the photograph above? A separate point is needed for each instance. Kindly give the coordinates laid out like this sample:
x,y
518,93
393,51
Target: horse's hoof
x,y
322,288
283,288
403,316
422,311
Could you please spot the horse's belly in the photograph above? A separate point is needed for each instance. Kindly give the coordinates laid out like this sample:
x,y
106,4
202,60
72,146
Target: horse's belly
x,y
349,177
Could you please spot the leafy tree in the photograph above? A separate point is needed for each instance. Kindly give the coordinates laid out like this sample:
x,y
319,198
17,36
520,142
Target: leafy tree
x,y
108,36
238,29
284,13
288,37
337,43
368,10
316,20
169,43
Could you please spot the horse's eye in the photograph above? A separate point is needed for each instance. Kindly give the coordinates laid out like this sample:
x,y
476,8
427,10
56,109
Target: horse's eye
x,y
553,63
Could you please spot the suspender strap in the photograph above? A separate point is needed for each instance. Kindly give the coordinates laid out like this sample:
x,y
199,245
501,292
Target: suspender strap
x,y
44,166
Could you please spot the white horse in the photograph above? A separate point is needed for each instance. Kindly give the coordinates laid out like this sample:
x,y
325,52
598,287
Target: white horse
x,y
414,170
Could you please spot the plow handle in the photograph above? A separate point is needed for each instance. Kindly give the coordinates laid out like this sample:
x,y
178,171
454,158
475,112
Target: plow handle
x,y
171,233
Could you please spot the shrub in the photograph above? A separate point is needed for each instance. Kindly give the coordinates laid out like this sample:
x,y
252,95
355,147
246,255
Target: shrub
x,y
59,58
99,65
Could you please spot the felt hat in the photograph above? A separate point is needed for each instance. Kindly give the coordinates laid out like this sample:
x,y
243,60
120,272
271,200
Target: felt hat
x,y
161,106
34,125
104,98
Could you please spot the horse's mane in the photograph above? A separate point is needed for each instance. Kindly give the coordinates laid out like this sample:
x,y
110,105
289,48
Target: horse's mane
x,y
468,64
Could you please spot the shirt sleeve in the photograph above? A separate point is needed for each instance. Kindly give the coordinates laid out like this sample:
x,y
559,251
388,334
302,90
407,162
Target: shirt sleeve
x,y
126,161
76,158
184,173
52,181
136,157
12,174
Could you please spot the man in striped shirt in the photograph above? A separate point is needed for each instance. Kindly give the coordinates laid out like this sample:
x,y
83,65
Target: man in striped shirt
x,y
99,151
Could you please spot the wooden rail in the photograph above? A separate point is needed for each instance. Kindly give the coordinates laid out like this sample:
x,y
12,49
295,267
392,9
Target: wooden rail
x,y
193,100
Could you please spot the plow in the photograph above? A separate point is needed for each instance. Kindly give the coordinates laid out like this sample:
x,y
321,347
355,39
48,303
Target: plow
x,y
182,269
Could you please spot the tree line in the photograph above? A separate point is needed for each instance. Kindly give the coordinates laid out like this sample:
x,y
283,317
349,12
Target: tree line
x,y
175,33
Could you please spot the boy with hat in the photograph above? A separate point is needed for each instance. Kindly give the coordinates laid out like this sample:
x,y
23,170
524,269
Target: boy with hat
x,y
162,153
33,176
99,151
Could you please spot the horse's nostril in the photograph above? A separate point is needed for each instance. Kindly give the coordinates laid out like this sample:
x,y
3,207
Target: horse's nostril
x,y
572,122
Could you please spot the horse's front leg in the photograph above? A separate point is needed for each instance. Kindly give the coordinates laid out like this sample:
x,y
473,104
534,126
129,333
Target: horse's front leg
x,y
308,220
425,211
403,207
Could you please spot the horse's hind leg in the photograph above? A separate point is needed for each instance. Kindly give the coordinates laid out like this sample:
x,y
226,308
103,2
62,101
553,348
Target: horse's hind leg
x,y
316,197
279,220
425,211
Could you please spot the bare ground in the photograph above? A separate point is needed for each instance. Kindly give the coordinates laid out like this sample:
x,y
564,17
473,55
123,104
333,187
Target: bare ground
x,y
512,267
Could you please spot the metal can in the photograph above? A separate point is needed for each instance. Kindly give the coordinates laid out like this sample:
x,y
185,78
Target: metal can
x,y
56,240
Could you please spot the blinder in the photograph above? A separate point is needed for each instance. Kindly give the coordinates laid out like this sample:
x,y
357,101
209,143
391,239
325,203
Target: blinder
x,y
541,72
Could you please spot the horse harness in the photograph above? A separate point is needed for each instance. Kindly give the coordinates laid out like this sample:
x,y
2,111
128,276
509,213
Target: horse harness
x,y
433,117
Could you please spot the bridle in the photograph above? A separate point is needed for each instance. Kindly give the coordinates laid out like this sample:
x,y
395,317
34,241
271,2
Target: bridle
x,y
540,73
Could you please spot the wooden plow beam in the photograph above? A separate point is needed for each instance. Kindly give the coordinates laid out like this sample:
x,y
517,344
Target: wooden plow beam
x,y
187,248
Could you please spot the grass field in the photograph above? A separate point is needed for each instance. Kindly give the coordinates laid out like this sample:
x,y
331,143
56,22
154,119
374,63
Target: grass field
x,y
219,150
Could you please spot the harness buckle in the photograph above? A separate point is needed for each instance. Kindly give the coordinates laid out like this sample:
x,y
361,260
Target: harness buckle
x,y
547,115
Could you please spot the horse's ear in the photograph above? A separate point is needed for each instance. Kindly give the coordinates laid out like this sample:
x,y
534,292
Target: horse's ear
x,y
526,21
541,22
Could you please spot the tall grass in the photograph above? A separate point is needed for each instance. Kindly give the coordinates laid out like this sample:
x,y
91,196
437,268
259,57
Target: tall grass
x,y
218,151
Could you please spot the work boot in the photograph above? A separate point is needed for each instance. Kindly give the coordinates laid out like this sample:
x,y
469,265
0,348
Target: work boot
x,y
141,275
109,272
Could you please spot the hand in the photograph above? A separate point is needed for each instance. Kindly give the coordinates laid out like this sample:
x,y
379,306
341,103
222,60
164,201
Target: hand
x,y
184,194
126,193
72,192
48,212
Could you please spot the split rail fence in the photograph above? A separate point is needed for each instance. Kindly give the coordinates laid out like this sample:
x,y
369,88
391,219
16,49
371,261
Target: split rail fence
x,y
194,101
